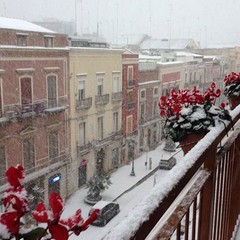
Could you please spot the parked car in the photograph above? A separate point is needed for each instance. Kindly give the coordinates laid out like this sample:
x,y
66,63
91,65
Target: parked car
x,y
167,164
107,210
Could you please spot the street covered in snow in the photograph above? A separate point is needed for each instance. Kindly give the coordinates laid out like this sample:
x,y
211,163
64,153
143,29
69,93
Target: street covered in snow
x,y
121,182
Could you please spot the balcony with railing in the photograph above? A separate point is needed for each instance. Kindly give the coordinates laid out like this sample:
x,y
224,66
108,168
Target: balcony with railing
x,y
85,103
200,196
56,105
102,99
114,136
83,149
130,105
131,83
117,96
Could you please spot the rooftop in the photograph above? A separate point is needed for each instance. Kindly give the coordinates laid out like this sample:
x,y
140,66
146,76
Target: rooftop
x,y
22,25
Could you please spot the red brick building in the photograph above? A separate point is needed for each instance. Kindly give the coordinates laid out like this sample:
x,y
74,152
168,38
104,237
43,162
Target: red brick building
x,y
130,105
33,106
149,94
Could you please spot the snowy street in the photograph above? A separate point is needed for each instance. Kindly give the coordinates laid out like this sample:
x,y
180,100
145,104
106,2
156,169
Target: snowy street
x,y
121,181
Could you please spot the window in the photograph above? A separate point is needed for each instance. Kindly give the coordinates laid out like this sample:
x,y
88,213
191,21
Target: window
x,y
155,108
53,147
115,157
155,91
100,128
29,154
115,121
194,77
143,94
130,73
142,110
116,82
190,80
129,127
52,91
81,87
100,85
26,93
22,39
130,96
186,77
2,164
82,133
48,41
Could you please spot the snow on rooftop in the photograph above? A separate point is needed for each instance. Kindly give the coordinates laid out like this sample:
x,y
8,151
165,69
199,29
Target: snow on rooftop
x,y
22,25
165,43
187,54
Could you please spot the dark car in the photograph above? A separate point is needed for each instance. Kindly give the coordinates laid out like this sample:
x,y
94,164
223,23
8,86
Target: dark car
x,y
107,210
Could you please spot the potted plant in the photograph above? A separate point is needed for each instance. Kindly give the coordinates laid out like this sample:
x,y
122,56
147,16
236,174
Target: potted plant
x,y
232,88
190,114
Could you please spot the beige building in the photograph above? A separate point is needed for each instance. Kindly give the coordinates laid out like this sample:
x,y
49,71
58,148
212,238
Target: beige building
x,y
96,111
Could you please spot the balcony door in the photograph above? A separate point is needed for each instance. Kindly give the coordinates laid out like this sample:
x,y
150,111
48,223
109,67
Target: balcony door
x,y
52,91
26,93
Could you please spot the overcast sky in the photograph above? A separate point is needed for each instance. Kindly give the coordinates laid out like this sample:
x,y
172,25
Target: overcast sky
x,y
208,22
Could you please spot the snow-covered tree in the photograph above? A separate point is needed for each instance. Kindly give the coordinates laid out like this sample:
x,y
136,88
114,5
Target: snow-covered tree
x,y
170,145
97,184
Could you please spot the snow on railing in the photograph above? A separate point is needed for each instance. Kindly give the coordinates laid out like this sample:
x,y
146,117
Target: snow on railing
x,y
189,165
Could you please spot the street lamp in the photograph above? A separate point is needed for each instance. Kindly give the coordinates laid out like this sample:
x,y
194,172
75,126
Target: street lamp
x,y
131,146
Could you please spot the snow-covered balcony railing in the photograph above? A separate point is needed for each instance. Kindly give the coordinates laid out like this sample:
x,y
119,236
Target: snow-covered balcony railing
x,y
102,99
117,96
84,103
198,199
56,105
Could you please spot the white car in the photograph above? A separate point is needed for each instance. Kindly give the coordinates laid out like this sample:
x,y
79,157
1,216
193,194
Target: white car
x,y
107,210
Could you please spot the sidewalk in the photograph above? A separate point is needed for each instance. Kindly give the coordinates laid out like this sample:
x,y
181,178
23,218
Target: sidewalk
x,y
121,180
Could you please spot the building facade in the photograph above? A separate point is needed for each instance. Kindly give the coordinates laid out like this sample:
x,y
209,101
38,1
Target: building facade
x,y
34,128
130,86
96,111
148,114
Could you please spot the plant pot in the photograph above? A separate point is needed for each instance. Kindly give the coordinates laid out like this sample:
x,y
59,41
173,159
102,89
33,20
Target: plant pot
x,y
234,101
188,142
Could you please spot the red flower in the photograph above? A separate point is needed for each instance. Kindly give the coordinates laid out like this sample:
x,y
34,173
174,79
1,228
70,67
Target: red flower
x,y
17,200
49,216
58,232
12,221
15,176
91,219
41,214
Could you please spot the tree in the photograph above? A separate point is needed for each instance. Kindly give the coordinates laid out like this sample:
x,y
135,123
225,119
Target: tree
x,y
97,184
170,145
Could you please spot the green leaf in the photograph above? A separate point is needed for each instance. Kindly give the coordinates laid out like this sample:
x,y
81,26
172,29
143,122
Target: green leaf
x,y
34,234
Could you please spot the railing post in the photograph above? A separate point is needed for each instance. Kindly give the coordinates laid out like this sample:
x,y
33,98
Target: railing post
x,y
207,194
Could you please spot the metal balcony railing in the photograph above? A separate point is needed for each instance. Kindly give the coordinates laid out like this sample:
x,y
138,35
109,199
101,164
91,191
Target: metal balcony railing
x,y
131,105
82,149
102,99
117,96
131,83
85,103
56,105
199,203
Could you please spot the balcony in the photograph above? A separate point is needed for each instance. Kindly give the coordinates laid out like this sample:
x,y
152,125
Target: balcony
x,y
131,83
107,140
151,119
85,103
131,105
117,96
83,149
102,99
56,105
198,199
